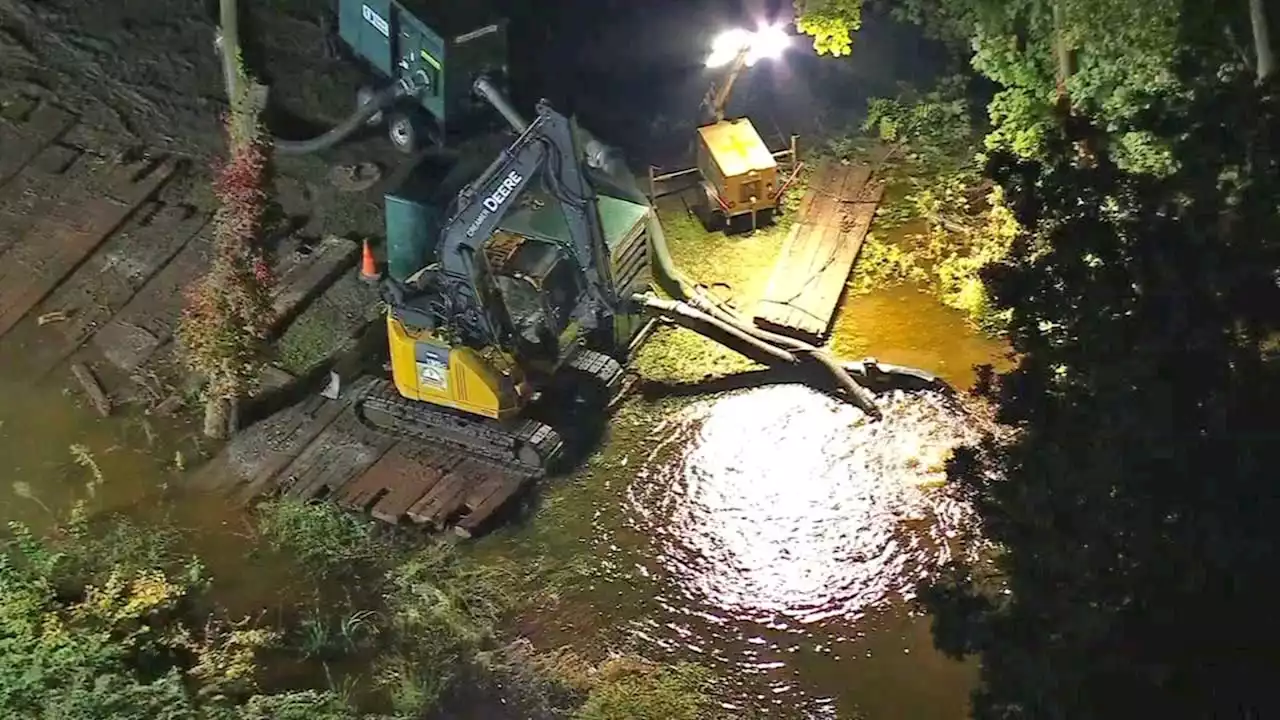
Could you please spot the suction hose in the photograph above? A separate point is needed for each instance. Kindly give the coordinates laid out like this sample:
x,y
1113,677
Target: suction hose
x,y
485,88
676,284
690,317
380,101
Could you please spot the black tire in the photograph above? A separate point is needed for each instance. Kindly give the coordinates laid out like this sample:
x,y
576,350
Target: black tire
x,y
405,132
364,94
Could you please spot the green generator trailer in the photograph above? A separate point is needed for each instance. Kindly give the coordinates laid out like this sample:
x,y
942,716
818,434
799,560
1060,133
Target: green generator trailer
x,y
439,48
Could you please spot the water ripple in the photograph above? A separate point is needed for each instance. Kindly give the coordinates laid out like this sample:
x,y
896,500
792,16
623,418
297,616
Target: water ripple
x,y
777,513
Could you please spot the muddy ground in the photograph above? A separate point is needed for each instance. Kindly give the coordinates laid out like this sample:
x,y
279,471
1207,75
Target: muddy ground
x,y
146,72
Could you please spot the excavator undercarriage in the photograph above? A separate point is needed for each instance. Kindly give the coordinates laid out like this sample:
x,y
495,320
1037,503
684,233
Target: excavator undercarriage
x,y
525,445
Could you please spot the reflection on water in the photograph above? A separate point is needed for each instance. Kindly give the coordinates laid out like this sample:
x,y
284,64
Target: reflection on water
x,y
786,530
771,534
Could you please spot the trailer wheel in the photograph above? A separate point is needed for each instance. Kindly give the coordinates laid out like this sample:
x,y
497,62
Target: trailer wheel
x,y
363,95
405,133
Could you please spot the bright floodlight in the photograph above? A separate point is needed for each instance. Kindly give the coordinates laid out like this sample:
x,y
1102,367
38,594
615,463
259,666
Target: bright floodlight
x,y
764,44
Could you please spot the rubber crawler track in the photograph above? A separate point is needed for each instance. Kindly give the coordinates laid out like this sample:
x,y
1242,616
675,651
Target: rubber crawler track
x,y
384,410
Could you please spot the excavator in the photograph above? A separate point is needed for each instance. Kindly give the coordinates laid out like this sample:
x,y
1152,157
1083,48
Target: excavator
x,y
536,286
528,288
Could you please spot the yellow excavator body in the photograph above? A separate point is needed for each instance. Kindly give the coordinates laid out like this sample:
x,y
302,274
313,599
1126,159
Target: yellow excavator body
x,y
427,368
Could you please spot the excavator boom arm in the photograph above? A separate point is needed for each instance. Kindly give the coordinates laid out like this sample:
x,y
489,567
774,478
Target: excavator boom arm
x,y
546,147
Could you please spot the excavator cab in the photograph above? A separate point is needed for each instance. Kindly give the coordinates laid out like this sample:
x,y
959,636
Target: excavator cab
x,y
540,288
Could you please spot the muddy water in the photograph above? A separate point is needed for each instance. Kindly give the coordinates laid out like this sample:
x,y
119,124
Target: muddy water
x,y
771,534
776,535
39,425
51,444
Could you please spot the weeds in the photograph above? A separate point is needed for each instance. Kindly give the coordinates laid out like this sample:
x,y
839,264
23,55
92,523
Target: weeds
x,y
315,638
24,491
628,688
84,458
324,540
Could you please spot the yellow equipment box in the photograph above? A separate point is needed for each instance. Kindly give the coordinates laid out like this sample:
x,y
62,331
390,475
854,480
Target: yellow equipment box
x,y
741,174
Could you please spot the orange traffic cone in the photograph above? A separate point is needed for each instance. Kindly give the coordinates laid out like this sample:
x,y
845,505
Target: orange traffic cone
x,y
368,266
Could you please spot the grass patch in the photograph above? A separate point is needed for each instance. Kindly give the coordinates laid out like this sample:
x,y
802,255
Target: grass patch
x,y
309,340
735,268
634,689
324,541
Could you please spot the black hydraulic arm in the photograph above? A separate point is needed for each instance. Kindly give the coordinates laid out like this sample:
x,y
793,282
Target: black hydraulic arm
x,y
546,149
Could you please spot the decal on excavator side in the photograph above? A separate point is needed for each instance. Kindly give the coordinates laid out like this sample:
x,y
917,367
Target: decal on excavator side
x,y
433,374
433,366
376,20
496,200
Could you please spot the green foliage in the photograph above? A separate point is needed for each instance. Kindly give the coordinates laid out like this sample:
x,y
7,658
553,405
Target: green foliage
x,y
831,24
933,129
100,624
228,312
107,620
1123,56
943,223
323,540
631,689
1134,506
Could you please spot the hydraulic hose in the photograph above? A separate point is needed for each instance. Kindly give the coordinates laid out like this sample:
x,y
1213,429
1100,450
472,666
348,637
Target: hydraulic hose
x,y
380,101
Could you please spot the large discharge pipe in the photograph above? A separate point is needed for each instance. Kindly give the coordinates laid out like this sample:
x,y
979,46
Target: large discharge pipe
x,y
485,88
678,285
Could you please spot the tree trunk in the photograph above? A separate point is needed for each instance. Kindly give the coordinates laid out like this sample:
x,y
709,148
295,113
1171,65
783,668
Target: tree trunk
x,y
228,18
217,414
1262,39
1065,55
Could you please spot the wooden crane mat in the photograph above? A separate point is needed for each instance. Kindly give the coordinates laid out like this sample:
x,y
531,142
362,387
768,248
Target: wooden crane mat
x,y
44,237
813,267
318,450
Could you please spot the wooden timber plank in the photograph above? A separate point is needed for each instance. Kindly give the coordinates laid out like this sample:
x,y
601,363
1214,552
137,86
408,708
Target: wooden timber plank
x,y
403,476
804,291
395,506
300,479
339,454
306,277
775,304
255,457
110,278
35,189
61,241
435,507
389,472
855,178
143,329
148,320
813,309
480,510
821,178
26,127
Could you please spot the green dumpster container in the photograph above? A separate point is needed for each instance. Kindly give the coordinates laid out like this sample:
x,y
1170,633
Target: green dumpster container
x,y
413,228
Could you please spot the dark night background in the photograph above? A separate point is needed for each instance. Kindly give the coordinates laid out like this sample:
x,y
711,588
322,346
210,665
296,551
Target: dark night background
x,y
634,70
